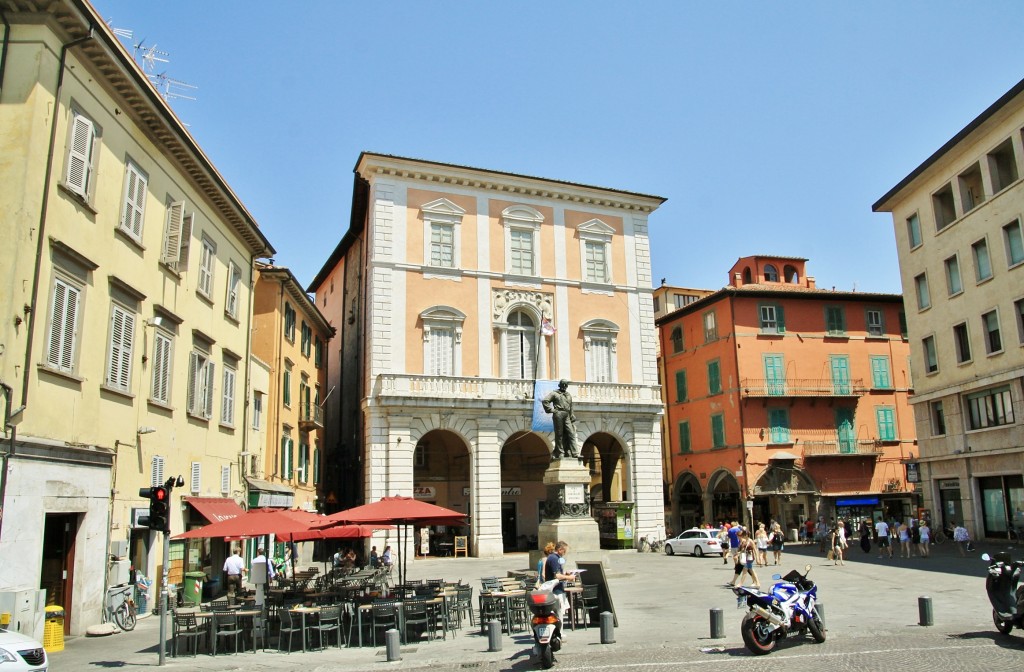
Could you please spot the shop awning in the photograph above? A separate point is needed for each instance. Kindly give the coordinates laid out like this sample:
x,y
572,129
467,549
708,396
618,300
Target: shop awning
x,y
215,509
265,493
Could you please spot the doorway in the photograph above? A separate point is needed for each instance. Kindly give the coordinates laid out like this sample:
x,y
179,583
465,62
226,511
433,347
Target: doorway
x,y
56,575
509,528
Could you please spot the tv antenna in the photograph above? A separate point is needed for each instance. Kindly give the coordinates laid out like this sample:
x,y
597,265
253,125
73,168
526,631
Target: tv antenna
x,y
150,56
171,88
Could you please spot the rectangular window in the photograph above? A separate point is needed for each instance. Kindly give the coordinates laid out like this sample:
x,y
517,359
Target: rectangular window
x,y
209,254
677,340
886,417
990,408
924,299
133,202
156,471
81,161
521,241
163,350
257,410
945,209
286,393
196,482
318,352
657,304
953,284
227,406
119,353
914,231
306,345
234,283
177,237
597,261
835,321
62,345
938,419
993,339
289,322
903,324
303,459
714,377
718,431
225,479
962,341
287,457
442,245
441,348
681,391
982,263
775,374
931,359
874,321
1018,311
772,320
316,465
1014,243
840,366
200,385
972,193
778,424
684,437
710,327
881,379
1002,165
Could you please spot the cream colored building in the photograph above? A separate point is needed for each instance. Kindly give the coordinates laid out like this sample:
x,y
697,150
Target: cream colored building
x,y
291,335
126,301
453,291
958,219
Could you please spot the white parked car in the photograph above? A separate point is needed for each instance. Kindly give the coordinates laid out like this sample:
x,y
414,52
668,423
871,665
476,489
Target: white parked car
x,y
696,542
21,653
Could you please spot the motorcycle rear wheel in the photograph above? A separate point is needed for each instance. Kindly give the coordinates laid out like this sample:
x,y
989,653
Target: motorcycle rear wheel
x,y
1002,626
756,636
816,626
547,656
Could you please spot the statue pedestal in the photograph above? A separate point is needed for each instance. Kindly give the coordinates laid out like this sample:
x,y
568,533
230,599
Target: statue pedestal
x,y
567,510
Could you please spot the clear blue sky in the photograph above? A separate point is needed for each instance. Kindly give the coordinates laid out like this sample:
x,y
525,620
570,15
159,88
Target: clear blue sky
x,y
770,127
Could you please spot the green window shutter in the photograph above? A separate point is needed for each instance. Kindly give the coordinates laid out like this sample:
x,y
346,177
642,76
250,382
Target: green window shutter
x,y
291,459
681,392
880,378
717,431
886,423
714,377
780,315
287,387
316,465
284,456
778,422
684,437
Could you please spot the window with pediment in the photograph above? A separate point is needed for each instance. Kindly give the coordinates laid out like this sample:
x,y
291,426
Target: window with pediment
x,y
595,251
600,342
442,341
522,240
442,222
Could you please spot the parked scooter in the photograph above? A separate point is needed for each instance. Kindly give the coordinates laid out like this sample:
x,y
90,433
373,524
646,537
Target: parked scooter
x,y
788,608
546,608
1006,596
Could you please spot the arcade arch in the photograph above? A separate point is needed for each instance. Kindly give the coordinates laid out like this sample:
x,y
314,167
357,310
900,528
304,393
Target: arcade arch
x,y
525,457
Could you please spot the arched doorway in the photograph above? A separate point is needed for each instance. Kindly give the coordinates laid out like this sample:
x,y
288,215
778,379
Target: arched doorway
x,y
726,503
784,493
689,503
604,456
441,465
524,459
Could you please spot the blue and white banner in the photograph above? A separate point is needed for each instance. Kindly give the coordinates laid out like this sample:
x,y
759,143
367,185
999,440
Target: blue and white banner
x,y
542,421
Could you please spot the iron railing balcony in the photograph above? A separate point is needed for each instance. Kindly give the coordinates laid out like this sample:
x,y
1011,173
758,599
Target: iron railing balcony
x,y
837,448
801,387
311,416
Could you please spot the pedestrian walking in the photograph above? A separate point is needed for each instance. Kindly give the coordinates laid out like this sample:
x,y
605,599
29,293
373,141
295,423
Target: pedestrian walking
x,y
962,538
882,532
761,543
777,539
723,541
904,536
865,535
925,533
734,539
745,561
838,543
915,536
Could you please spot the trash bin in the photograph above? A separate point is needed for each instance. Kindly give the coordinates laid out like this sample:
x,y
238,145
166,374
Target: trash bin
x,y
193,588
794,535
53,631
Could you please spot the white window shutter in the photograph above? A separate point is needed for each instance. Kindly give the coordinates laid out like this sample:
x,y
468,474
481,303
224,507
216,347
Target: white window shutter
x,y
529,354
122,333
197,470
63,326
83,135
600,360
134,201
208,391
161,367
173,234
156,471
441,349
191,404
225,480
186,243
227,411
513,354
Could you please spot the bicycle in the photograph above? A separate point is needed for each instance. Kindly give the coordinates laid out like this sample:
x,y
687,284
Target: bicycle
x,y
120,607
938,536
648,545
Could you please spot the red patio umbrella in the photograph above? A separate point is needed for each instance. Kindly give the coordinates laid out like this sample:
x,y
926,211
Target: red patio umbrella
x,y
281,523
399,511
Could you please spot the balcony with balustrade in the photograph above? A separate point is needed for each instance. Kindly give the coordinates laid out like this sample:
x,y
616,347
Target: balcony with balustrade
x,y
801,387
311,416
837,448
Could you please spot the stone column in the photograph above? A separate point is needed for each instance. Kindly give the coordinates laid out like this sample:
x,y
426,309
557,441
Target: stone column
x,y
485,491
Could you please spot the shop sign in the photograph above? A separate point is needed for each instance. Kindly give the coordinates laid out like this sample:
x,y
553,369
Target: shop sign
x,y
949,484
509,491
424,492
275,499
913,472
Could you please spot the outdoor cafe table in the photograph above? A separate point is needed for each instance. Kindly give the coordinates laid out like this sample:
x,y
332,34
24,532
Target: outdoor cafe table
x,y
302,611
432,603
505,597
211,618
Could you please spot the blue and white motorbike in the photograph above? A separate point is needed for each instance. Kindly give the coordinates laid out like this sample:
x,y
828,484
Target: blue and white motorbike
x,y
788,608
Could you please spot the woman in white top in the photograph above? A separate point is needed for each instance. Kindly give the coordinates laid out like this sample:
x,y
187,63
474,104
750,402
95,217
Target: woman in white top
x,y
839,543
926,539
761,541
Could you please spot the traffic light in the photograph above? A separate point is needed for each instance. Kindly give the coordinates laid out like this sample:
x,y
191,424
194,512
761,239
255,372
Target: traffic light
x,y
158,508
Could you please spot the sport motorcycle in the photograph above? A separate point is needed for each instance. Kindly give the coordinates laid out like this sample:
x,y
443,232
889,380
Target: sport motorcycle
x,y
788,608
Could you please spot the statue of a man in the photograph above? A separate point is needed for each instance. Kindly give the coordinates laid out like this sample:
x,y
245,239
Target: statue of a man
x,y
559,405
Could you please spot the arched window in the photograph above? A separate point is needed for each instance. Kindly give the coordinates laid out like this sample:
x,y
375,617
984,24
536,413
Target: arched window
x,y
771,274
791,275
521,346
746,276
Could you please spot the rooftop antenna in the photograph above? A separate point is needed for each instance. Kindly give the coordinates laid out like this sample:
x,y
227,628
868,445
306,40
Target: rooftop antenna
x,y
168,87
150,56
123,33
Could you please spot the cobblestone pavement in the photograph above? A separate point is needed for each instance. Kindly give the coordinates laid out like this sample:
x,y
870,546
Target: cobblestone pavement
x,y
663,606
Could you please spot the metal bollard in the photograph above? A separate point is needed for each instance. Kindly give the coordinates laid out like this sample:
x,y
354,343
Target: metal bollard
x,y
607,627
493,636
717,624
391,643
924,609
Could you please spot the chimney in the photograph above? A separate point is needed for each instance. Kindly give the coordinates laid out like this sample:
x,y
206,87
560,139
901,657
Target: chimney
x,y
810,282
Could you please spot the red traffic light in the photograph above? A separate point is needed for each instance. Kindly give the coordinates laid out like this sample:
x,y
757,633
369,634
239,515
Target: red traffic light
x,y
159,494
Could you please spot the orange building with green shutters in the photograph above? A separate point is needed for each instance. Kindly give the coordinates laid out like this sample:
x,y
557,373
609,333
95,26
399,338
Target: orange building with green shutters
x,y
785,401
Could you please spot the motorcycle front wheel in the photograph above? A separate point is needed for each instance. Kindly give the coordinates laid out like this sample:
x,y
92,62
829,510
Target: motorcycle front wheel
x,y
756,635
1002,626
816,626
